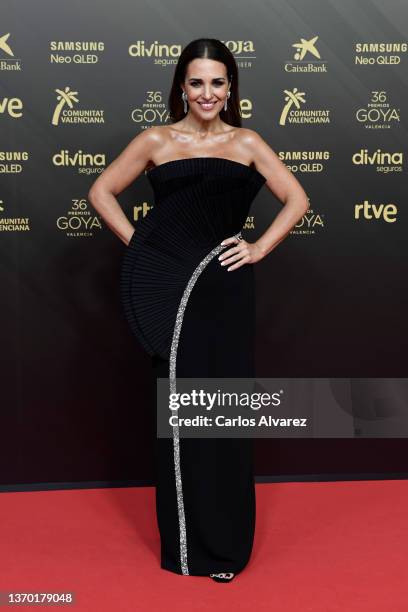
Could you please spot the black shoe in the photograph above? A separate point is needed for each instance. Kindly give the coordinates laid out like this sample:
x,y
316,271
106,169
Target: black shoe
x,y
223,577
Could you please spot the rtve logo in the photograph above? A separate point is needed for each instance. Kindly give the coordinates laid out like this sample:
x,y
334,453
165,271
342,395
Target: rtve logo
x,y
12,107
387,212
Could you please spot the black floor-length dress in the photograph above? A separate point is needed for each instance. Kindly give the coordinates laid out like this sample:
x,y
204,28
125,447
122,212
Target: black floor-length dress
x,y
196,319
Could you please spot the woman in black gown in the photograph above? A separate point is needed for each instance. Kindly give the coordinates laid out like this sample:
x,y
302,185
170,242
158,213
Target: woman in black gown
x,y
187,288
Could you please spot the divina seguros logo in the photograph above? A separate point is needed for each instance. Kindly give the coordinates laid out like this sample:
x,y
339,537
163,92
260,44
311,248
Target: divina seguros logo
x,y
382,161
85,163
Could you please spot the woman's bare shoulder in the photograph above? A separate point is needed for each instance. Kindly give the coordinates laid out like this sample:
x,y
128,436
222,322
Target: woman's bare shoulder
x,y
248,137
157,134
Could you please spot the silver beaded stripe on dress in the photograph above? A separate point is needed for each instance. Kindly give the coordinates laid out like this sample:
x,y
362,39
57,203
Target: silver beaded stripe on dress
x,y
172,377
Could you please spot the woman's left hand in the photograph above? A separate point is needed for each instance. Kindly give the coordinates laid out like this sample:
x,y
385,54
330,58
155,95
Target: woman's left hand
x,y
241,253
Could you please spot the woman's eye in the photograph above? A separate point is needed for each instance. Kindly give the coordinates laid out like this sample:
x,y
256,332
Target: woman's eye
x,y
216,84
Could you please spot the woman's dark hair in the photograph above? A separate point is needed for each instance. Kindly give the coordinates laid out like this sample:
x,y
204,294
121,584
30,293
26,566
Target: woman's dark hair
x,y
207,48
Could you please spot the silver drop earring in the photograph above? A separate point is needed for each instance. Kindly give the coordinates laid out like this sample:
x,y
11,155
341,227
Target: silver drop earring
x,y
226,98
184,96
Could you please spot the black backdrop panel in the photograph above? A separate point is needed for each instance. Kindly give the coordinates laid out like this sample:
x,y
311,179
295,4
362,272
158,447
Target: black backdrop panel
x,y
78,81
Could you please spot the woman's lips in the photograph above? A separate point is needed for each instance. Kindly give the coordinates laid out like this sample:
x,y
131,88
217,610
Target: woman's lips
x,y
206,106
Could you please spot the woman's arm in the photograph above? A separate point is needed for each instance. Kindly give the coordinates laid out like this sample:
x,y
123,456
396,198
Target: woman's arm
x,y
285,187
116,177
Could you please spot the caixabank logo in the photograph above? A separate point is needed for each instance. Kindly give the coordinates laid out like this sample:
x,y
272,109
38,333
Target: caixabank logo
x,y
293,112
8,62
306,57
370,211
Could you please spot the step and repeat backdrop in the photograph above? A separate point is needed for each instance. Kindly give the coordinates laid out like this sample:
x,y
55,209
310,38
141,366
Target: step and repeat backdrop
x,y
325,85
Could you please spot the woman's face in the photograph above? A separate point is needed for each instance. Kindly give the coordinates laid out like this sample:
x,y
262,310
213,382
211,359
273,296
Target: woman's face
x,y
206,86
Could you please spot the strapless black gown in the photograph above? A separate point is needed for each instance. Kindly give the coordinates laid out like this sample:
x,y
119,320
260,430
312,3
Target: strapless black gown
x,y
194,317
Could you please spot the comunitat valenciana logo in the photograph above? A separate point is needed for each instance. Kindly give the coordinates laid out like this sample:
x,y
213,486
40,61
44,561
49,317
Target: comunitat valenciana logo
x,y
306,57
371,212
12,224
250,223
293,113
65,112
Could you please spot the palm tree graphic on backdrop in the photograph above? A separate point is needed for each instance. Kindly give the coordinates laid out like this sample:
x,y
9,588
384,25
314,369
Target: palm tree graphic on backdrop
x,y
65,97
292,97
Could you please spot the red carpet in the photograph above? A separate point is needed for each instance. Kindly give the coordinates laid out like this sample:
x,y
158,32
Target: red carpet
x,y
330,547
